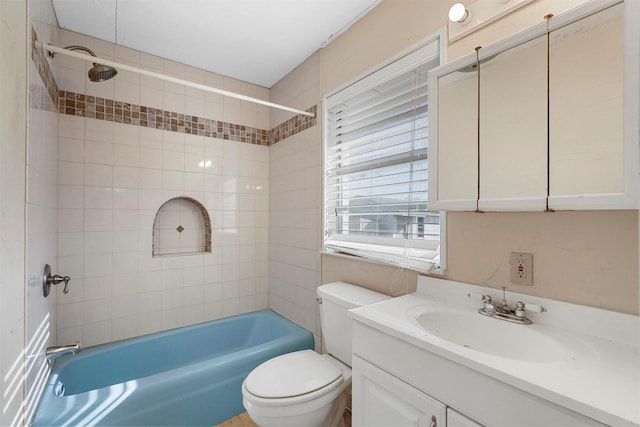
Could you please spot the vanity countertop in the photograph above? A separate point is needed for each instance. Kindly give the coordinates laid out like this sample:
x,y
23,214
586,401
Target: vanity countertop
x,y
597,374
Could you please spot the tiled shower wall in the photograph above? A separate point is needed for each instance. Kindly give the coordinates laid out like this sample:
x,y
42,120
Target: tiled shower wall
x,y
295,203
113,177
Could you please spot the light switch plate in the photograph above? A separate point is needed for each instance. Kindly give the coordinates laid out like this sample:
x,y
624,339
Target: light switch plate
x,y
521,267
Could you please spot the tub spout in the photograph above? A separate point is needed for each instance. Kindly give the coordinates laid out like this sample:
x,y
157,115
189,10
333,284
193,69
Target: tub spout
x,y
53,353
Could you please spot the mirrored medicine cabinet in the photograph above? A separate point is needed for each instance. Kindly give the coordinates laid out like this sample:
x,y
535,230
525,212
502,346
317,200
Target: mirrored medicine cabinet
x,y
537,121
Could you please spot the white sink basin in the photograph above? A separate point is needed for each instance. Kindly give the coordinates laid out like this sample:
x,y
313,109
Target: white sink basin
x,y
493,336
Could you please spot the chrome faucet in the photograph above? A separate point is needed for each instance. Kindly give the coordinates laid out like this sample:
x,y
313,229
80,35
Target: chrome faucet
x,y
502,311
55,352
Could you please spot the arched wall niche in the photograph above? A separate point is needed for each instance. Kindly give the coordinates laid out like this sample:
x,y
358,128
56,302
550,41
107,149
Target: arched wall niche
x,y
181,226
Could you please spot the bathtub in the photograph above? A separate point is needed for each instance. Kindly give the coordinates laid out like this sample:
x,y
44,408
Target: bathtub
x,y
189,376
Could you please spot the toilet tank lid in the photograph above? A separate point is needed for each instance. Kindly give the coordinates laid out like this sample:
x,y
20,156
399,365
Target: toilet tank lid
x,y
348,295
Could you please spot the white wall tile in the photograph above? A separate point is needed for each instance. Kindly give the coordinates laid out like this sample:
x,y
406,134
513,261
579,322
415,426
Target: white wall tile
x,y
98,220
172,180
96,310
124,134
96,333
70,150
125,155
69,315
97,288
151,97
70,220
70,173
127,92
71,127
71,196
98,175
98,197
125,177
125,219
98,242
123,328
99,131
173,141
98,265
150,158
113,178
172,160
125,198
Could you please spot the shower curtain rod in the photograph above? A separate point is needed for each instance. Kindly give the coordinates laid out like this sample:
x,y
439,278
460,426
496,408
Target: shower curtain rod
x,y
56,49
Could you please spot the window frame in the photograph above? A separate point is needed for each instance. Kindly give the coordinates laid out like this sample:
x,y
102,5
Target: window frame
x,y
431,48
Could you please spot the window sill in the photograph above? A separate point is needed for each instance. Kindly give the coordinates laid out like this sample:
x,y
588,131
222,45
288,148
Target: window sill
x,y
436,271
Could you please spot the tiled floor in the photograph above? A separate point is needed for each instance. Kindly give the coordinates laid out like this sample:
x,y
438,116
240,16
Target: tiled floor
x,y
243,420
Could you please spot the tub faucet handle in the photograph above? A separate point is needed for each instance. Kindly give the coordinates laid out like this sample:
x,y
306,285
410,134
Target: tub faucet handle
x,y
56,279
49,279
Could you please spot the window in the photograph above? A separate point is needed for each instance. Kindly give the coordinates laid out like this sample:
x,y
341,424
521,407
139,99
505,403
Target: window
x,y
376,164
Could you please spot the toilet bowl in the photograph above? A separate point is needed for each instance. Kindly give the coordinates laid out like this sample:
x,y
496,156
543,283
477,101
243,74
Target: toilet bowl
x,y
305,388
298,389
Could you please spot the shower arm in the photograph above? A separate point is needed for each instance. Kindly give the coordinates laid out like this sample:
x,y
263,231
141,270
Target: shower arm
x,y
55,49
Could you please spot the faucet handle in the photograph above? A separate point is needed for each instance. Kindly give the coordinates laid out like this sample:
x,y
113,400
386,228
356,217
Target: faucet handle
x,y
521,307
535,308
479,297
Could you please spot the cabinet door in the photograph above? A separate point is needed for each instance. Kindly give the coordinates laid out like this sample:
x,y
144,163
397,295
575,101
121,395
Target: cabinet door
x,y
513,128
379,399
586,62
455,419
453,138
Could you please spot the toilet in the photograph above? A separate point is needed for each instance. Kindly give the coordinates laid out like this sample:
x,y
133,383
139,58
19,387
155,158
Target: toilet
x,y
305,388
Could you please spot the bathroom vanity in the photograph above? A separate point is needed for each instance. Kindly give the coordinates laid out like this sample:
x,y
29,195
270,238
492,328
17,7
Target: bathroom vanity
x,y
430,359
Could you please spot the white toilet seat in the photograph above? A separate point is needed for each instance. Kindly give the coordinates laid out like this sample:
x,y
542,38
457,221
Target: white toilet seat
x,y
301,376
300,403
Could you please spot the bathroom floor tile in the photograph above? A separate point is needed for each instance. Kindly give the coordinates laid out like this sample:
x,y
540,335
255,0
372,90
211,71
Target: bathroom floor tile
x,y
242,420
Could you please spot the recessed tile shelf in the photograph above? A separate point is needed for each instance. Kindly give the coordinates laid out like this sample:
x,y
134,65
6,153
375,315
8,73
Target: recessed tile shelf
x,y
181,226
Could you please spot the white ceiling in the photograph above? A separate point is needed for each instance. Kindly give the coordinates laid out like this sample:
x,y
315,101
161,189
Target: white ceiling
x,y
257,41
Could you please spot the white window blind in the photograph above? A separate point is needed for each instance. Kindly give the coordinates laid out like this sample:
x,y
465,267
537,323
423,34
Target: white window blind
x,y
377,166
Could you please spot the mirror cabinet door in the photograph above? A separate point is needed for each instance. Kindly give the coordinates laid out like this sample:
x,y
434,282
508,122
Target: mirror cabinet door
x,y
457,177
513,128
586,108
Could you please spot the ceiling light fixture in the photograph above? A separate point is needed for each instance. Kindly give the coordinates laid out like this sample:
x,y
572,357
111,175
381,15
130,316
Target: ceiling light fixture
x,y
464,20
460,14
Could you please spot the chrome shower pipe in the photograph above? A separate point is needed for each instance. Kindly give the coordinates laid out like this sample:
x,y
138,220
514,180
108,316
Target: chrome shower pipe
x,y
55,49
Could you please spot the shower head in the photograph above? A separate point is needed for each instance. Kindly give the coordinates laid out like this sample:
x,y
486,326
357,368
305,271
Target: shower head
x,y
99,72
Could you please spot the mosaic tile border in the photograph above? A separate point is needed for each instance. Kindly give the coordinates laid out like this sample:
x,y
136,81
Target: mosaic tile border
x,y
38,99
293,126
78,104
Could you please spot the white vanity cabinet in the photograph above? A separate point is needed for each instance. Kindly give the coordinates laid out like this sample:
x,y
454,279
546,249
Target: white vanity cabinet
x,y
382,400
552,123
379,399
455,419
398,384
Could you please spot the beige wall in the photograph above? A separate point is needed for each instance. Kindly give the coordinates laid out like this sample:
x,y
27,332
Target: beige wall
x,y
588,258
382,278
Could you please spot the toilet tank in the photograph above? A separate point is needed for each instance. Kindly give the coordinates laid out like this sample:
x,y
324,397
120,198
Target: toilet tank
x,y
335,300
